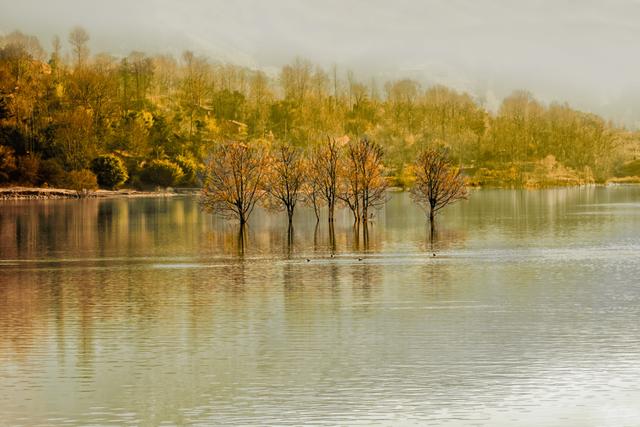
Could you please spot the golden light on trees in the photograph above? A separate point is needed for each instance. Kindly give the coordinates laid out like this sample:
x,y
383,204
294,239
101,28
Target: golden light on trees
x,y
66,109
438,183
324,171
363,183
311,190
285,179
234,178
78,39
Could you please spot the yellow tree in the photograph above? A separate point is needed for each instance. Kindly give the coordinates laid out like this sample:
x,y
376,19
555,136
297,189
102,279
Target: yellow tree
x,y
438,183
194,89
78,38
518,127
233,181
453,117
74,137
23,86
402,97
295,80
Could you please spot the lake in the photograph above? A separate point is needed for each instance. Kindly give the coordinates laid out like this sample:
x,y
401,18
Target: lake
x,y
149,312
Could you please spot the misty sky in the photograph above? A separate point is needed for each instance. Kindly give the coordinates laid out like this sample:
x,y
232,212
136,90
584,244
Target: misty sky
x,y
583,52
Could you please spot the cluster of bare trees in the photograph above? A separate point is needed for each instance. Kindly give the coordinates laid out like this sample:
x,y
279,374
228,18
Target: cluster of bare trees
x,y
281,175
337,171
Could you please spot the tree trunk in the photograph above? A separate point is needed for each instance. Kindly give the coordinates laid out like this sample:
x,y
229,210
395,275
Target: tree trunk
x,y
331,211
315,236
365,236
241,239
356,215
356,237
290,216
290,238
315,208
432,224
332,237
365,205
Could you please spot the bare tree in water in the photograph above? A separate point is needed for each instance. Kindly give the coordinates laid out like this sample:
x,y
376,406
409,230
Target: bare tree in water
x,y
312,194
285,178
324,165
233,180
370,170
438,183
362,181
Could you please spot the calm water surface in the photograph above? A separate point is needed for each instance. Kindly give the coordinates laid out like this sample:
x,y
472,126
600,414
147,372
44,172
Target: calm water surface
x,y
149,312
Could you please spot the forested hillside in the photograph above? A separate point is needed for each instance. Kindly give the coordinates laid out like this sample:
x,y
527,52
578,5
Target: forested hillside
x,y
63,107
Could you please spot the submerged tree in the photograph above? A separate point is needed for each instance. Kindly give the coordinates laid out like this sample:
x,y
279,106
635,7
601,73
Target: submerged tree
x,y
437,184
312,194
350,190
232,184
363,184
285,178
324,164
370,170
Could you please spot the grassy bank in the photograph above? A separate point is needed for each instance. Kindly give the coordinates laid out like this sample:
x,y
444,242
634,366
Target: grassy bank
x,y
546,173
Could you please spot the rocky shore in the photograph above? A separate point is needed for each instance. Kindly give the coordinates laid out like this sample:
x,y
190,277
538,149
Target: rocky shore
x,y
34,193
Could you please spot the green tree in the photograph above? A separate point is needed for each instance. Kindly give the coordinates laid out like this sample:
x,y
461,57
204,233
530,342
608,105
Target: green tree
x,y
110,171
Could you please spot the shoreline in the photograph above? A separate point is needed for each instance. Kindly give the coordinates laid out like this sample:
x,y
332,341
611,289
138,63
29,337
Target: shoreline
x,y
36,193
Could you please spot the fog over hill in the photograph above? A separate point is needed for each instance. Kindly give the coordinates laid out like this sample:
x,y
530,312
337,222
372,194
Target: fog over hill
x,y
585,53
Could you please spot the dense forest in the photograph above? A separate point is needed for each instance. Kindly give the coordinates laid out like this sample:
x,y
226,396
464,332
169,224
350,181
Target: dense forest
x,y
66,112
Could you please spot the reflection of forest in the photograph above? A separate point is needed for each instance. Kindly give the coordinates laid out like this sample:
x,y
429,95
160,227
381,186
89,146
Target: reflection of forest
x,y
151,294
76,263
72,263
82,229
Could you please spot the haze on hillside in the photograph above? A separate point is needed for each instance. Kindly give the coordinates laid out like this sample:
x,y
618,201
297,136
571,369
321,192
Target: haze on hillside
x,y
582,52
